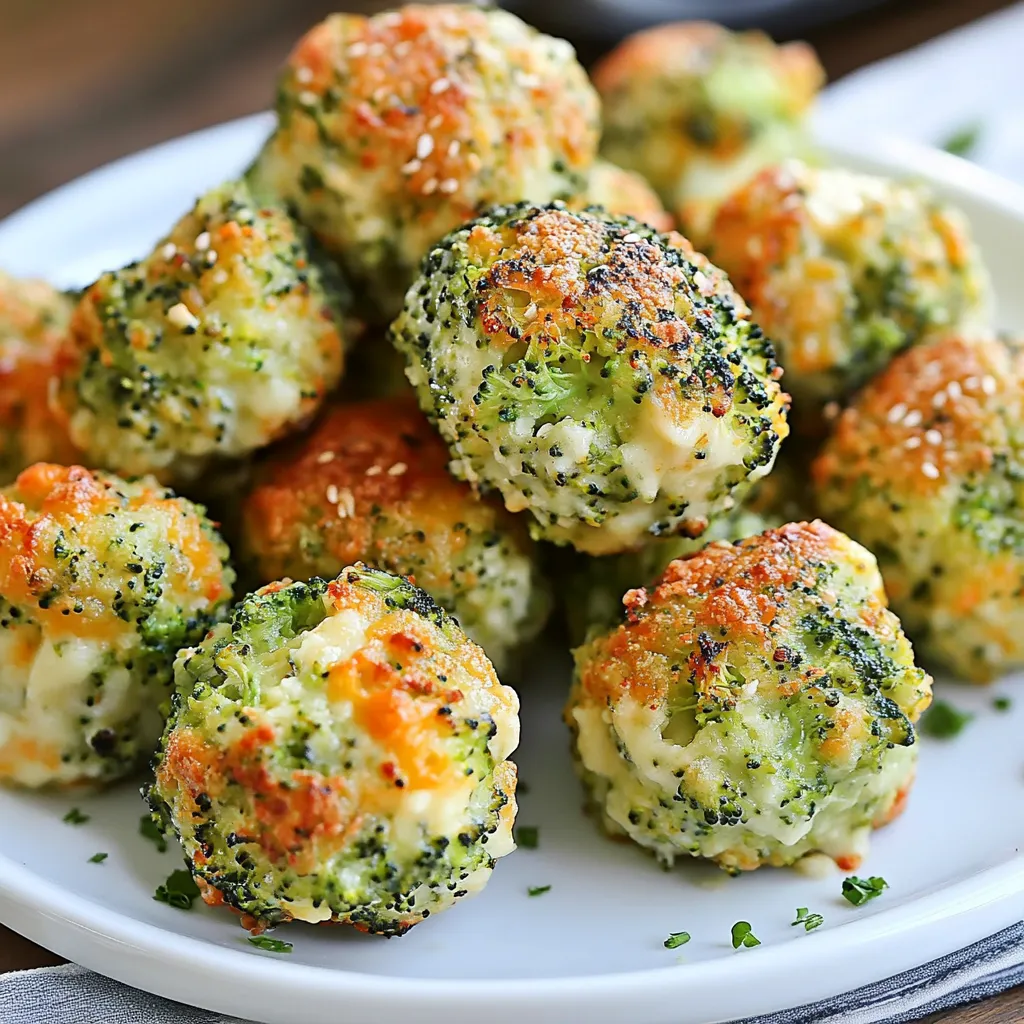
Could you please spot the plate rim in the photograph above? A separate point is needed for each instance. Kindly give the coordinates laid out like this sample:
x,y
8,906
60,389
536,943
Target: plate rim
x,y
82,929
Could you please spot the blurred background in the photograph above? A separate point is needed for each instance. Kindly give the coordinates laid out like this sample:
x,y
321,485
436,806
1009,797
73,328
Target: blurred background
x,y
85,81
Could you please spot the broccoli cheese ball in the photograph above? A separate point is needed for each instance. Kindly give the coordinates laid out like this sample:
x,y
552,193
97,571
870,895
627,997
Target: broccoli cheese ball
x,y
101,582
927,469
844,270
698,109
756,705
370,484
223,339
593,593
337,753
626,193
601,375
33,320
394,130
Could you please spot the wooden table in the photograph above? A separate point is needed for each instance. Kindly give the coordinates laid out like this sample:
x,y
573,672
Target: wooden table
x,y
84,83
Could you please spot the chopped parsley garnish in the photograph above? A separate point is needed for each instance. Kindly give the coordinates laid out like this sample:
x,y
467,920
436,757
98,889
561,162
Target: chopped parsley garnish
x,y
859,890
179,890
1002,703
269,944
98,858
677,939
743,936
149,829
943,721
538,890
75,817
963,142
526,836
807,919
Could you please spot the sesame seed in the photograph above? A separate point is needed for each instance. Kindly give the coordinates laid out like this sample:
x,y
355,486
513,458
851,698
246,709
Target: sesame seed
x,y
453,147
180,315
324,457
897,412
970,382
913,418
358,50
211,257
424,146
526,80
939,399
933,436
449,185
436,121
530,313
332,494
912,442
346,503
412,166
988,384
304,75
429,187
397,469
700,280
402,48
308,98
929,470
168,251
439,86
374,471
377,49
632,237
203,240
220,276
954,390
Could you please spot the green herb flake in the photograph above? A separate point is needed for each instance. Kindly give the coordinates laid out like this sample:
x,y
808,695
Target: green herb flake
x,y
807,919
75,817
538,890
677,939
1002,703
269,944
149,829
859,891
963,141
743,936
943,721
98,858
527,836
179,890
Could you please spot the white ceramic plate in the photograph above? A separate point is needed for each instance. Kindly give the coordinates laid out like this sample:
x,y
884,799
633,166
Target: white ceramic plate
x,y
591,948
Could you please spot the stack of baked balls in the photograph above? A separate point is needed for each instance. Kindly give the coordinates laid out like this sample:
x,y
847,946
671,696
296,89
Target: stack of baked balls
x,y
534,357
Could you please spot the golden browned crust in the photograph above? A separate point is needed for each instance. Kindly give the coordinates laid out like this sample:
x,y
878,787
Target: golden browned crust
x,y
929,416
371,482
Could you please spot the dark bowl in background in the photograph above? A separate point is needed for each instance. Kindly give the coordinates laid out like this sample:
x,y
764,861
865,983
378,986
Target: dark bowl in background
x,y
597,23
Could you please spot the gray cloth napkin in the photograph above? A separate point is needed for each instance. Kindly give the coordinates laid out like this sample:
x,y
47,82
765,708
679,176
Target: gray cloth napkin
x,y
73,995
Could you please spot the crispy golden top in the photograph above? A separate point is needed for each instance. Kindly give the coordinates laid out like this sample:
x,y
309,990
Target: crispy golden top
x,y
371,481
740,593
577,273
63,553
938,410
404,90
